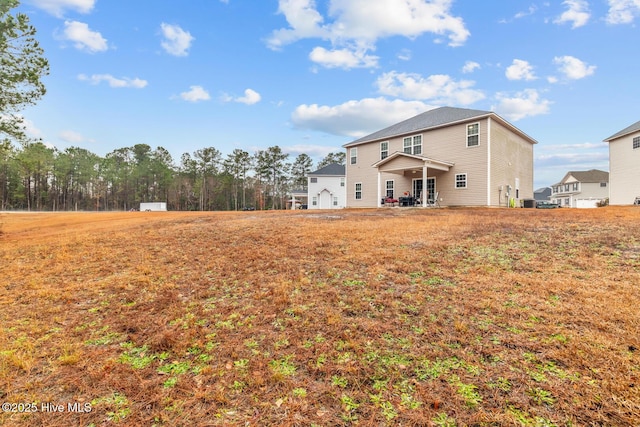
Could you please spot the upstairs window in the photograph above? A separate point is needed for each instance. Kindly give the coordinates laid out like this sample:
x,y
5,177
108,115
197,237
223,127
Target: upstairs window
x,y
314,180
341,182
354,155
413,144
636,142
384,150
473,135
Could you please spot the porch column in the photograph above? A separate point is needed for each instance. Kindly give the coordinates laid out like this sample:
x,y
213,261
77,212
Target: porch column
x,y
379,203
425,194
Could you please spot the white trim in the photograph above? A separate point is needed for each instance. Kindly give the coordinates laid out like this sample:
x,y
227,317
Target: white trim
x,y
466,131
413,144
387,150
489,162
393,187
353,150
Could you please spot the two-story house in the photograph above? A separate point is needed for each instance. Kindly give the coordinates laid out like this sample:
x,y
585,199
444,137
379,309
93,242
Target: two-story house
x,y
624,165
327,188
581,189
460,156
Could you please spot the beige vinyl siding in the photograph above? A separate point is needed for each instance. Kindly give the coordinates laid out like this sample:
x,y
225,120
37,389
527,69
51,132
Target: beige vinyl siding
x,y
511,158
364,173
624,175
450,144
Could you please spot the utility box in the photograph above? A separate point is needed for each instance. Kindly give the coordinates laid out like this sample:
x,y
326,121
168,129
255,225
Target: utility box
x,y
153,207
529,203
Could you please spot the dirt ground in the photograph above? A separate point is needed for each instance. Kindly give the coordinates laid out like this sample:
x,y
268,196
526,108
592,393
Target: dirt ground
x,y
394,316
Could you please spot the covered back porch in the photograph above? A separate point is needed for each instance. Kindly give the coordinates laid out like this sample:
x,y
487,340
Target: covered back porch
x,y
417,179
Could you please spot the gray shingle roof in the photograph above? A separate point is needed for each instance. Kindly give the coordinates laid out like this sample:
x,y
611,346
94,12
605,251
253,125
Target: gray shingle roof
x,y
593,175
633,128
429,119
333,169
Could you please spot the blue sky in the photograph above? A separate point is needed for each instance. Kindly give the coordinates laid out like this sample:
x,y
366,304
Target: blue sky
x,y
310,76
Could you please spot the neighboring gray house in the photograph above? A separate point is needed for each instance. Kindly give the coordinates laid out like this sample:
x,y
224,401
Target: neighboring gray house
x,y
542,194
326,188
624,165
581,189
465,157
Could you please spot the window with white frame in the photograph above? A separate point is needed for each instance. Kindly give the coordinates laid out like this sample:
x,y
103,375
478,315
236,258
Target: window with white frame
x,y
354,155
389,187
413,144
576,186
358,191
384,150
314,180
335,201
473,135
314,201
341,182
603,184
461,180
636,142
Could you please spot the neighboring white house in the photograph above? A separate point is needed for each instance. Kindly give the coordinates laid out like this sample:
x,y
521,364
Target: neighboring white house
x,y
326,188
581,189
460,156
624,165
153,206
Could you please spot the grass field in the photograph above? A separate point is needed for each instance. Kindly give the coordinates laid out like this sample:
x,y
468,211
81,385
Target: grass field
x,y
411,317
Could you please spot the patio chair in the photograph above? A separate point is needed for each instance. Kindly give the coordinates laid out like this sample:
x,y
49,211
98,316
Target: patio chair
x,y
435,201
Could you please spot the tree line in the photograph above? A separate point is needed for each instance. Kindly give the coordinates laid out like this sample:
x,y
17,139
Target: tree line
x,y
35,177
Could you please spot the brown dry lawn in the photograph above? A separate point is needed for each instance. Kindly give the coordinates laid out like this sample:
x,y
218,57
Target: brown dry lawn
x,y
446,317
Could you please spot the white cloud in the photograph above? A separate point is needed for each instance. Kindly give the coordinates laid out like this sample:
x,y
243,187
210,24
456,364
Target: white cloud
x,y
532,9
250,97
577,13
31,129
439,88
470,67
71,137
573,68
84,38
318,151
358,24
114,82
520,70
623,11
524,104
356,118
58,7
342,58
195,94
529,12
404,55
176,40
